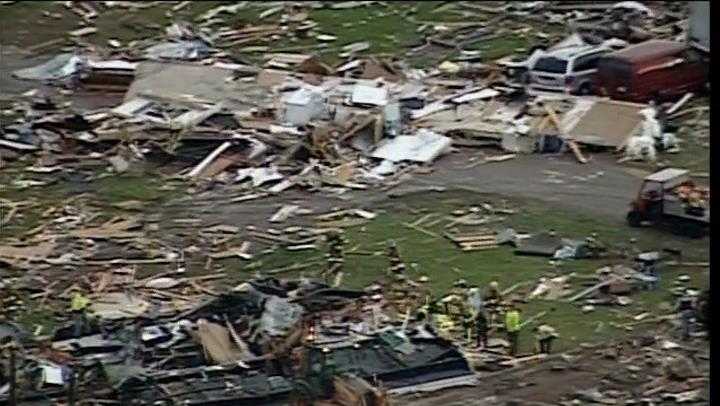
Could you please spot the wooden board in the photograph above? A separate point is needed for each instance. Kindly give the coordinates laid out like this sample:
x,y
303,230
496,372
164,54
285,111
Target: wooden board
x,y
607,123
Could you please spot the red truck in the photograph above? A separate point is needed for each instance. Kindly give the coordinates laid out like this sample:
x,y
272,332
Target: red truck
x,y
651,70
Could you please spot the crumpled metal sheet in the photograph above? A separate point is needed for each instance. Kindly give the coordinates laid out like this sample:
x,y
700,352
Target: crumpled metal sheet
x,y
542,244
280,316
184,50
59,67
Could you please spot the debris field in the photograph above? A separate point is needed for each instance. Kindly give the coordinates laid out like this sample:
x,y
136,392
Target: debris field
x,y
286,203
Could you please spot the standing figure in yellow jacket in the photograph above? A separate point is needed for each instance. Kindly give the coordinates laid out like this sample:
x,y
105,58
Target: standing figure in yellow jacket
x,y
512,326
78,308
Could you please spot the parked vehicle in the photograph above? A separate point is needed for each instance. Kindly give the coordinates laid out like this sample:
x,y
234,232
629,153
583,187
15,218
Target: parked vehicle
x,y
570,70
669,197
651,70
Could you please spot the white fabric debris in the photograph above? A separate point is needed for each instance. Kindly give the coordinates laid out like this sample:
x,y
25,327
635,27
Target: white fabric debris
x,y
386,167
642,147
425,146
259,176
669,141
53,375
376,96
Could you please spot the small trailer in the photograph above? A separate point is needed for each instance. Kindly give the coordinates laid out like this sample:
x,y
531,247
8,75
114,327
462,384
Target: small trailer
x,y
670,198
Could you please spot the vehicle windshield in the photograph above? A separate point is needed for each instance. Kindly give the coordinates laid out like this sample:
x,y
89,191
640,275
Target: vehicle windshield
x,y
551,64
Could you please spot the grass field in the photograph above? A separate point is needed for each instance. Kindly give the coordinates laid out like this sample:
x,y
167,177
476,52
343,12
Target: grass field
x,y
389,28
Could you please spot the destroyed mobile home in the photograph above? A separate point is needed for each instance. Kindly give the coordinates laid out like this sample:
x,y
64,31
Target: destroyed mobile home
x,y
186,106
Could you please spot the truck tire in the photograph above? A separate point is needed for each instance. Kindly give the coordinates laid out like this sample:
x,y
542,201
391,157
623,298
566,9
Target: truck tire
x,y
634,219
694,231
584,89
686,229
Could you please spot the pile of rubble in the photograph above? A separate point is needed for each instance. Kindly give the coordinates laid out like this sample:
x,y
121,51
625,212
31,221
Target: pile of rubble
x,y
273,338
293,120
210,119
663,370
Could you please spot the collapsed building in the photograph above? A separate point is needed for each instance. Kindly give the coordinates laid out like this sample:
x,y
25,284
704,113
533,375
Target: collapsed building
x,y
264,343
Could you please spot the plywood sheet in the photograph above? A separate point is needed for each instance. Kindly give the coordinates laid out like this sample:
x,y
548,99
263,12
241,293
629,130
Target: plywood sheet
x,y
607,123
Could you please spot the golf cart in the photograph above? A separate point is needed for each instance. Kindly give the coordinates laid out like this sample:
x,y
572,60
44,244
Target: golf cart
x,y
669,197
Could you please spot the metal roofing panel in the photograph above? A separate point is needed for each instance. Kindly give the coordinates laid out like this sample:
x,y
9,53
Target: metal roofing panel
x,y
648,50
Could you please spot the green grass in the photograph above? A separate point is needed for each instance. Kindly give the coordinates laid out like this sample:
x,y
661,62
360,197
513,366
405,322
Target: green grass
x,y
114,189
500,47
390,28
37,316
102,193
23,23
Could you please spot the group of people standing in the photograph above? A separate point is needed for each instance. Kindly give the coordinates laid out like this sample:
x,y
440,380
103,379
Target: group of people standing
x,y
491,307
482,312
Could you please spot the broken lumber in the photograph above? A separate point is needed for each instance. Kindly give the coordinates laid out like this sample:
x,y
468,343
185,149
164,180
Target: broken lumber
x,y
500,158
284,213
689,264
294,267
576,151
424,218
470,237
679,103
514,287
478,248
422,230
571,143
651,320
209,159
532,319
591,289
240,251
516,361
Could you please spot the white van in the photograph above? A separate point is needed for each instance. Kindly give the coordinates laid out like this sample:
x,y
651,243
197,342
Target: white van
x,y
569,70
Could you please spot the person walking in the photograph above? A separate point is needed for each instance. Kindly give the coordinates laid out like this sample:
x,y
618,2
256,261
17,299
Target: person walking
x,y
335,257
397,266
545,335
512,327
481,329
78,309
686,312
493,300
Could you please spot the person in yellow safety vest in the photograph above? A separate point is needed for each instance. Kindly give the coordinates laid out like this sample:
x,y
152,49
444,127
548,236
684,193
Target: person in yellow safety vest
x,y
78,308
512,326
